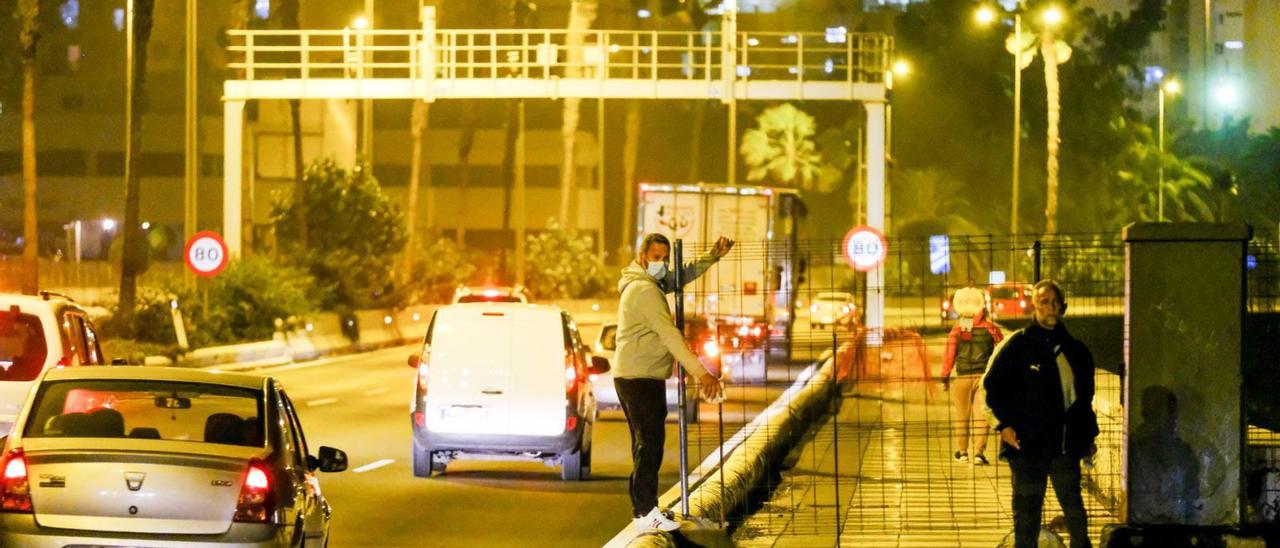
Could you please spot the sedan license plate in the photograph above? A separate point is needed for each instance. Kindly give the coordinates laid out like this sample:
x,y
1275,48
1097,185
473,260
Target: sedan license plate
x,y
464,412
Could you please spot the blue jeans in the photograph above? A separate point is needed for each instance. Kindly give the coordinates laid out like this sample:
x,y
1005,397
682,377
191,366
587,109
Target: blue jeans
x,y
1030,475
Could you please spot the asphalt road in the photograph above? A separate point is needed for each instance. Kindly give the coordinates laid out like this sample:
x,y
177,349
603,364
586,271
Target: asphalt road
x,y
360,404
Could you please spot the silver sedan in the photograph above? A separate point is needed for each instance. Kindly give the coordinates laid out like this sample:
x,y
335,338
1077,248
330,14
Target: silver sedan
x,y
154,456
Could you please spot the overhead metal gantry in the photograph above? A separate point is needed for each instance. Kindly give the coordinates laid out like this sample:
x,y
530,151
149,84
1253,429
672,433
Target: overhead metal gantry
x,y
431,63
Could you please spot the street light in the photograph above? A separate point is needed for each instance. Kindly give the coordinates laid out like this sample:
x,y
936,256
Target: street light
x,y
1052,16
1171,87
901,68
986,15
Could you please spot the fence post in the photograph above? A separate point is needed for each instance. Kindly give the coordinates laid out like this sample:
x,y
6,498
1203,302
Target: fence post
x,y
678,258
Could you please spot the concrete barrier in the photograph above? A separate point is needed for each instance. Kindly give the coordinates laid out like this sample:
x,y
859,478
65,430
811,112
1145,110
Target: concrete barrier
x,y
413,322
375,329
717,489
255,354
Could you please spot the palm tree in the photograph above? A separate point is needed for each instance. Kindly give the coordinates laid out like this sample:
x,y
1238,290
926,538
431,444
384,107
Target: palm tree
x,y
465,142
630,151
781,147
417,126
582,13
1052,95
289,10
132,261
29,15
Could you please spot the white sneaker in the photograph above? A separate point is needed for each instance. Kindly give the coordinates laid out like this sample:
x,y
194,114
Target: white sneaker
x,y
655,519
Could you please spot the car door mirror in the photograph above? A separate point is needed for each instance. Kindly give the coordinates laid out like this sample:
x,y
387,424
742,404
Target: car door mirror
x,y
331,460
414,359
599,365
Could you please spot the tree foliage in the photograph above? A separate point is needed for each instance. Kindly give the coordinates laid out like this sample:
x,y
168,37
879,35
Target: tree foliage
x,y
563,265
781,148
355,235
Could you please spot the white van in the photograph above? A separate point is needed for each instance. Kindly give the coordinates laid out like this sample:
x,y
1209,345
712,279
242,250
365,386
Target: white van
x,y
506,381
36,333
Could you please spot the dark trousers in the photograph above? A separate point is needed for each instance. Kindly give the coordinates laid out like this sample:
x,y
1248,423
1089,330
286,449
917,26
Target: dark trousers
x,y
644,401
1029,484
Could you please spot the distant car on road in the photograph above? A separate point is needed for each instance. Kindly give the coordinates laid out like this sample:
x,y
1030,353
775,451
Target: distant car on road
x,y
515,294
506,381
1009,300
155,456
38,332
706,346
829,309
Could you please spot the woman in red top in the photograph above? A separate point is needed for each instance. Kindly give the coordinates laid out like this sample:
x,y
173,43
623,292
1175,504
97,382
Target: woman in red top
x,y
969,345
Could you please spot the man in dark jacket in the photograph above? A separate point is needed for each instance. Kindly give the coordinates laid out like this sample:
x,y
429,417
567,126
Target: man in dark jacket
x,y
1040,394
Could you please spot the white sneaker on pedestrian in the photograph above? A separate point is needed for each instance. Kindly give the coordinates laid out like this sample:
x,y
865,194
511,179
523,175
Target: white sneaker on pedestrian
x,y
655,519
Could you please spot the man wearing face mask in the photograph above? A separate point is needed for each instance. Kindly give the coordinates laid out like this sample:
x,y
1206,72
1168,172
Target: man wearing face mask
x,y
647,343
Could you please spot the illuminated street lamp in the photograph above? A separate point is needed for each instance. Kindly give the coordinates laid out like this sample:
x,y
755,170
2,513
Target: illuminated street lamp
x,y
1052,16
1171,87
901,68
985,15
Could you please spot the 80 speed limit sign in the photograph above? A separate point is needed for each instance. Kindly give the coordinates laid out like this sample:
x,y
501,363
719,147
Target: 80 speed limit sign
x,y
206,254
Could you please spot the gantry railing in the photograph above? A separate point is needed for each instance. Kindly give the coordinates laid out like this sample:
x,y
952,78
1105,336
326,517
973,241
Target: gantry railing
x,y
457,55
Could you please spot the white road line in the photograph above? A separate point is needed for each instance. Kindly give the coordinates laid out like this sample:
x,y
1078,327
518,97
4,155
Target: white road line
x,y
376,391
374,465
323,401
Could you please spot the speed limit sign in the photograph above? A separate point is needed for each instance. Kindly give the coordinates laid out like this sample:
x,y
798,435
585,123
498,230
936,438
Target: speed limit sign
x,y
206,254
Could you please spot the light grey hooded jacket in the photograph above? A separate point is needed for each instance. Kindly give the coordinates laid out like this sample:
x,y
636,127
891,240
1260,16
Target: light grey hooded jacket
x,y
647,336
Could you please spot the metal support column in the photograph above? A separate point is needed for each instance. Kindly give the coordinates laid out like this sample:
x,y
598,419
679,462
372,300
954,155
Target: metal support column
x,y
232,171
677,253
875,210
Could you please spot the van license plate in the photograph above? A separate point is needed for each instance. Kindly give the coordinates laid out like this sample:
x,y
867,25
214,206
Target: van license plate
x,y
464,412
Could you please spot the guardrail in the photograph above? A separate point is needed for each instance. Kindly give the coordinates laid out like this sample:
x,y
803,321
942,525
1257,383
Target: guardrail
x,y
460,54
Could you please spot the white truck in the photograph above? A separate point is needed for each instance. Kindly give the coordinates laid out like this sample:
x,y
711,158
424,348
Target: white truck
x,y
749,296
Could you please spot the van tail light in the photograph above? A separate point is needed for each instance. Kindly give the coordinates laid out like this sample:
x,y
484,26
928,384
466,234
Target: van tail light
x,y
257,501
64,361
711,348
422,373
15,490
570,374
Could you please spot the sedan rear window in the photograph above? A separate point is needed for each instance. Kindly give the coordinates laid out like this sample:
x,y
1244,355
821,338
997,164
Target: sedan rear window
x,y
484,299
22,346
148,409
1004,293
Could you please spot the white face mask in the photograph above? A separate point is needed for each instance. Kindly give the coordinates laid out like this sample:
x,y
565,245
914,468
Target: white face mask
x,y
657,270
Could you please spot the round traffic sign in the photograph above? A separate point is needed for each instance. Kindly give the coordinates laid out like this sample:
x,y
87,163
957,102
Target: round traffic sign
x,y
865,248
206,254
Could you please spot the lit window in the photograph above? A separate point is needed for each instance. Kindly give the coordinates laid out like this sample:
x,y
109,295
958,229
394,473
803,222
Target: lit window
x,y
117,17
836,35
73,57
70,13
262,8
1233,44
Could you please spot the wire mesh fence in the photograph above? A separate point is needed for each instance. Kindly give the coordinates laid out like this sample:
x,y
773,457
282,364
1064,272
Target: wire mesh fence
x,y
902,458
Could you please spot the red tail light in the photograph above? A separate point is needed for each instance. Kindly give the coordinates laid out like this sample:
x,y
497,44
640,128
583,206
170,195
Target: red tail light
x,y
15,491
64,361
422,373
257,502
570,373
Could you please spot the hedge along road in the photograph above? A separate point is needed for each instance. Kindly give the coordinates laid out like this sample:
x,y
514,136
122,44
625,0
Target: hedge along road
x,y
359,403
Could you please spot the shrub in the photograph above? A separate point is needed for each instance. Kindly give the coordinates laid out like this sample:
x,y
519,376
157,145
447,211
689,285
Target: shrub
x,y
562,264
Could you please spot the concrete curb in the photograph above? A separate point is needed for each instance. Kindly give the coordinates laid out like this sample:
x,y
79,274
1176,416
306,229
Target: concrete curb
x,y
716,490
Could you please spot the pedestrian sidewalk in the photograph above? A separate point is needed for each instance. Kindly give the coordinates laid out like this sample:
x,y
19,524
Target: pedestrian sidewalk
x,y
880,472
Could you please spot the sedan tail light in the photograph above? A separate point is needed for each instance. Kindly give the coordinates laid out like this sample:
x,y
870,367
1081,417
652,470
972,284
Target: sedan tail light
x,y
15,490
423,362
257,501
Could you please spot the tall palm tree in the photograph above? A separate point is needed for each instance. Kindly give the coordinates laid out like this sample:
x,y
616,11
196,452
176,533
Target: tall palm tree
x,y
29,16
465,142
630,151
582,13
1049,48
289,13
417,126
133,258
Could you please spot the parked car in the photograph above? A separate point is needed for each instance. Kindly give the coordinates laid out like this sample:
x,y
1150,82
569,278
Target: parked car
x,y
829,309
1009,300
706,346
38,332
515,294
507,381
158,456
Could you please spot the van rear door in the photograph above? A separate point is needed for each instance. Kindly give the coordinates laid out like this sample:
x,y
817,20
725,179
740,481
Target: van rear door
x,y
469,373
539,373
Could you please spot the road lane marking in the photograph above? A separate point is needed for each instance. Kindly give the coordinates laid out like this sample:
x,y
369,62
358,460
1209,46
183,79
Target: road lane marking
x,y
374,465
376,391
322,401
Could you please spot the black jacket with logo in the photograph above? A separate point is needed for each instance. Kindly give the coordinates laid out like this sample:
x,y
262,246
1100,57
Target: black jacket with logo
x,y
1024,391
